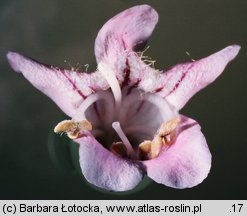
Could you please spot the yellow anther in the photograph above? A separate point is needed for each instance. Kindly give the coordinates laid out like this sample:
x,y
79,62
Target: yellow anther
x,y
156,146
145,146
85,125
72,128
169,126
65,126
73,135
144,150
164,136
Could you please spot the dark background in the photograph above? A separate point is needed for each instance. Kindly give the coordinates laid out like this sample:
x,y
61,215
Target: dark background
x,y
52,31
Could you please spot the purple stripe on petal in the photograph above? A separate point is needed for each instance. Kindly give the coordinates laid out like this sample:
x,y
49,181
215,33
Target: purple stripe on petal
x,y
189,78
181,82
126,77
74,86
186,163
180,79
66,88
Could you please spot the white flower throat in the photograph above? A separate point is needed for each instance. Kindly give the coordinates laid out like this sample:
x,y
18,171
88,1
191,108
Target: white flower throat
x,y
128,122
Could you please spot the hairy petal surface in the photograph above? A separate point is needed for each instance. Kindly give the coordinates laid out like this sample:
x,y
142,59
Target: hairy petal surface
x,y
182,81
106,170
186,163
178,84
124,32
67,89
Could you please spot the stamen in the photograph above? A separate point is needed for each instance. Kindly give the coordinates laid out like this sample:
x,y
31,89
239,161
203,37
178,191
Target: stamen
x,y
73,128
119,148
84,125
110,77
145,146
92,99
156,146
144,150
85,104
118,129
169,126
164,137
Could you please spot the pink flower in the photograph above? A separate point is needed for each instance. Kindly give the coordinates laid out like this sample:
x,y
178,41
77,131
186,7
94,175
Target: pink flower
x,y
125,116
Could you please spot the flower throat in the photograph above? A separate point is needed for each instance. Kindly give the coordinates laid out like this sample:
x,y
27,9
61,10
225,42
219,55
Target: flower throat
x,y
119,108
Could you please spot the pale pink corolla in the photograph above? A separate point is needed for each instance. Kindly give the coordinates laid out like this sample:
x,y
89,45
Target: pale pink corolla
x,y
127,101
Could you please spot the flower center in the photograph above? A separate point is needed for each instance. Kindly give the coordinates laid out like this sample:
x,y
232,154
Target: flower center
x,y
127,121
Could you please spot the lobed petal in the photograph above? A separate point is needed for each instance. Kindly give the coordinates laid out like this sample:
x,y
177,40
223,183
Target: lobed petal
x,y
66,88
125,31
178,84
186,163
182,81
106,170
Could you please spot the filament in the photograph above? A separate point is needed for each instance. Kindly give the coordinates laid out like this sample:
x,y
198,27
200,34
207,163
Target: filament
x,y
119,131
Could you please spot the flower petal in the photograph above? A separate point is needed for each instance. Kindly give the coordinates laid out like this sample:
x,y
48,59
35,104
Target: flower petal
x,y
106,170
125,31
181,82
186,163
66,88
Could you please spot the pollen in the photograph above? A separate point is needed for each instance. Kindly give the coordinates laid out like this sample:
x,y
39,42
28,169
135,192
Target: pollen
x,y
73,128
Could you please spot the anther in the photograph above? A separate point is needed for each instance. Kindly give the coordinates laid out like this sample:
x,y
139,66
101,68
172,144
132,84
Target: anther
x,y
169,126
156,146
164,137
144,150
73,128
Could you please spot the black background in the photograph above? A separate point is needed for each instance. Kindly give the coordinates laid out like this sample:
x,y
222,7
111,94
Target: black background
x,y
52,31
